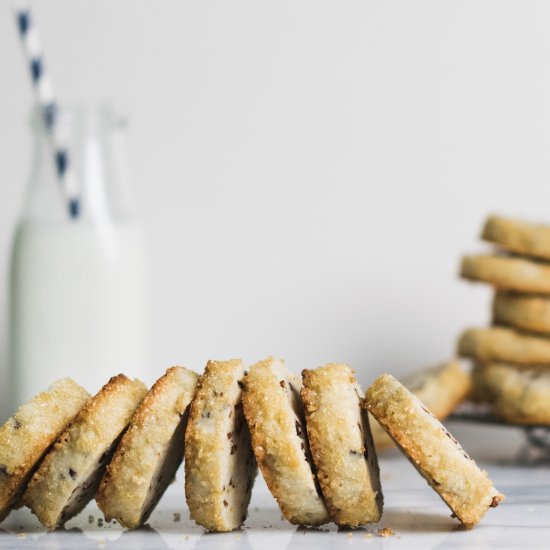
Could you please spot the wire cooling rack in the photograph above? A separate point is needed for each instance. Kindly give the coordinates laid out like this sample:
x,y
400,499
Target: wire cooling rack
x,y
537,436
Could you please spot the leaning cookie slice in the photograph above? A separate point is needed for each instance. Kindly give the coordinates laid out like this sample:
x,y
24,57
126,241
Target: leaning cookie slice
x,y
508,273
70,473
432,450
341,445
28,434
527,239
275,415
150,451
504,344
219,463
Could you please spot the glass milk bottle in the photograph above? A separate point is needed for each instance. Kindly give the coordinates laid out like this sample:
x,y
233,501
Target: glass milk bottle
x,y
78,287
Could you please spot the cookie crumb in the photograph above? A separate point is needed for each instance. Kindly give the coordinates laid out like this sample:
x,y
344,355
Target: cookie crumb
x,y
349,535
495,502
385,532
21,535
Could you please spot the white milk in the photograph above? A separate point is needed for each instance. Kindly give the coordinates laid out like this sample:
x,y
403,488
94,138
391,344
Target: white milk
x,y
79,294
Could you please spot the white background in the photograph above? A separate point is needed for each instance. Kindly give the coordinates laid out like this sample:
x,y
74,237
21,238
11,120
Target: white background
x,y
310,172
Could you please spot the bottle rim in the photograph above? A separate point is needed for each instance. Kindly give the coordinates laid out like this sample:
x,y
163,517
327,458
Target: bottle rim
x,y
87,116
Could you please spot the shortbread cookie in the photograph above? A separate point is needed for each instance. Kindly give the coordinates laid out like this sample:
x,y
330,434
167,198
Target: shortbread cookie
x,y
28,434
441,389
524,311
528,239
70,473
504,344
275,415
150,451
518,395
432,450
508,273
341,445
219,463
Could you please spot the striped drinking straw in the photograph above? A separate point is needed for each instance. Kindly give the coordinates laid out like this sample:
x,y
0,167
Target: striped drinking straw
x,y
48,107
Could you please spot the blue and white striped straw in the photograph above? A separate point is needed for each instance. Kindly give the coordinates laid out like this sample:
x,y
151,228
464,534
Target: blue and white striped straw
x,y
48,106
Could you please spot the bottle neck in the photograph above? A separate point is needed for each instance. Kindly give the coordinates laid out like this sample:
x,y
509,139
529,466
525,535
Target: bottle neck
x,y
94,142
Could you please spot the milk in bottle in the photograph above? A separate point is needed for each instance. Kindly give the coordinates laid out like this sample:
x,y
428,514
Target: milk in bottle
x,y
79,287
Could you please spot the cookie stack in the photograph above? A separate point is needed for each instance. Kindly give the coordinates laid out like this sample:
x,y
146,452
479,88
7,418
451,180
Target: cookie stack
x,y
512,357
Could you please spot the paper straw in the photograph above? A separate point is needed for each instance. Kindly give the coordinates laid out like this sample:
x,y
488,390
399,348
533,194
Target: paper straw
x,y
49,109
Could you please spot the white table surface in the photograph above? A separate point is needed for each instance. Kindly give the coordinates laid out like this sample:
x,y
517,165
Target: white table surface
x,y
412,510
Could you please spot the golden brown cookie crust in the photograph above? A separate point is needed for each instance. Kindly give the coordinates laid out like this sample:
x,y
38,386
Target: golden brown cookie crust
x,y
160,418
517,395
280,442
528,239
341,445
28,434
527,312
437,456
507,273
88,437
504,344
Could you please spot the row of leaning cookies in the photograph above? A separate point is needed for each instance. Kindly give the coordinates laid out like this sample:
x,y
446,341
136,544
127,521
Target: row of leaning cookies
x,y
512,357
310,437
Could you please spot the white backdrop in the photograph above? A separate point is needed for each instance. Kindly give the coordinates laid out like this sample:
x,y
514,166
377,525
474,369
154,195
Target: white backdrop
x,y
310,172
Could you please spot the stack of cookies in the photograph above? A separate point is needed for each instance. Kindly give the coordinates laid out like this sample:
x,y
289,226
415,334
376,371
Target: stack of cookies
x,y
512,357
